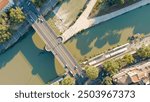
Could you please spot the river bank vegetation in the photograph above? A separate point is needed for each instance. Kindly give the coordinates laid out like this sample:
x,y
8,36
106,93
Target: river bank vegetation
x,y
9,20
103,7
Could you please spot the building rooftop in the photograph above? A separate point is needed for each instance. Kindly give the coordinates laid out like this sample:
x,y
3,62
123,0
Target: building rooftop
x,y
3,3
134,74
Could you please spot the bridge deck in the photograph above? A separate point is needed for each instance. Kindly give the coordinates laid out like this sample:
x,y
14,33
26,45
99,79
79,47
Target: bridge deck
x,y
50,38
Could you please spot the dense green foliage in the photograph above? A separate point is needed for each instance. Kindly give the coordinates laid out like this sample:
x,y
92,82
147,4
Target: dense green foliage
x,y
4,33
68,81
111,66
92,72
114,66
4,28
13,17
144,52
16,15
128,59
107,81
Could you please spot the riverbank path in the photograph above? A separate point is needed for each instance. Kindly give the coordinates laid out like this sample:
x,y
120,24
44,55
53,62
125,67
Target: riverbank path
x,y
83,22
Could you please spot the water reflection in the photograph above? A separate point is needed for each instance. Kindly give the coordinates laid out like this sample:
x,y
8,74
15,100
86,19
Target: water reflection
x,y
42,62
111,32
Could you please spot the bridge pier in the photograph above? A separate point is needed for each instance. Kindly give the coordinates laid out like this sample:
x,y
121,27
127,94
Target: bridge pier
x,y
47,48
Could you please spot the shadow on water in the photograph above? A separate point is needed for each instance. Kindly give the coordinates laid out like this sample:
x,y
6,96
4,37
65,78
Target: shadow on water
x,y
108,32
41,61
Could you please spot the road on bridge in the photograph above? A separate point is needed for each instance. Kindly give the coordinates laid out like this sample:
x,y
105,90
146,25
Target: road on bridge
x,y
50,38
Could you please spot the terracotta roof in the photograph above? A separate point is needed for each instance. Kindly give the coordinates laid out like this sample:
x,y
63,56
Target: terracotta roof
x,y
3,3
135,78
133,74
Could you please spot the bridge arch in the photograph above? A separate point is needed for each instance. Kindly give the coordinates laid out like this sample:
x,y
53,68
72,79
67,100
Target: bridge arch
x,y
59,39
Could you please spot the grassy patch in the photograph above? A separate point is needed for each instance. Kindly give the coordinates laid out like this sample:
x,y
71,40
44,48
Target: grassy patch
x,y
50,19
69,10
53,26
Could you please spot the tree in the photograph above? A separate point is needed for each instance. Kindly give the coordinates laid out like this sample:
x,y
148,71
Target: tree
x,y
4,28
92,72
2,21
107,81
16,15
68,81
121,62
111,67
121,2
4,33
128,59
4,18
144,52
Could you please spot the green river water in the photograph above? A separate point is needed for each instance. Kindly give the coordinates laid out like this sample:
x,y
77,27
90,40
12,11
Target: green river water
x,y
109,34
27,63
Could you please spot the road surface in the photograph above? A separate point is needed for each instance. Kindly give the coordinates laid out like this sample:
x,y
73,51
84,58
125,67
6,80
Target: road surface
x,y
50,38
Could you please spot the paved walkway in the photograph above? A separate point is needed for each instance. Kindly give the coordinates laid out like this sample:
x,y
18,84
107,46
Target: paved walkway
x,y
83,22
131,48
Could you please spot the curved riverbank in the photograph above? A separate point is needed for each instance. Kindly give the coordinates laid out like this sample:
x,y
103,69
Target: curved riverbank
x,y
80,26
109,34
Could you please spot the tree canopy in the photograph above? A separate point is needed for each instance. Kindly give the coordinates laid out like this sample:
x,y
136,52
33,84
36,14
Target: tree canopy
x,y
111,66
107,81
92,72
144,52
4,28
4,33
16,15
128,59
68,81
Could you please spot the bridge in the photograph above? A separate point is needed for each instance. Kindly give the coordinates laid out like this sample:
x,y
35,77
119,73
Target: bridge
x,y
50,38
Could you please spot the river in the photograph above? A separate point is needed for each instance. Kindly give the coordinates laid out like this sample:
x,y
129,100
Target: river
x,y
109,34
27,63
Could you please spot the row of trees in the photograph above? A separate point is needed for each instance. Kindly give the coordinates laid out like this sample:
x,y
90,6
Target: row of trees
x,y
144,52
13,17
4,28
114,66
111,67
